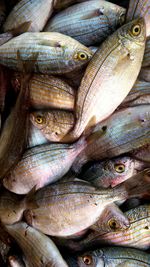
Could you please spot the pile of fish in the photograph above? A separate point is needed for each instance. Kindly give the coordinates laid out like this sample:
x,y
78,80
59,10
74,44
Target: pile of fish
x,y
74,133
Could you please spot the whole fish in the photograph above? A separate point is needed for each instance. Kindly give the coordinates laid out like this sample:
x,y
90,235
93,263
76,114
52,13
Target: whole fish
x,y
55,53
89,22
145,74
126,130
35,11
137,9
53,124
35,137
112,172
111,257
146,59
2,12
48,91
42,165
113,69
137,235
139,94
66,208
14,134
39,250
11,207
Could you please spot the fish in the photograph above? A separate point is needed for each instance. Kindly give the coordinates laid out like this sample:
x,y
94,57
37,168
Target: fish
x,y
35,11
146,59
53,124
35,137
39,250
145,74
11,207
112,172
88,22
113,69
139,94
42,165
136,235
2,12
139,8
124,131
142,153
59,4
66,208
55,53
47,92
110,256
14,133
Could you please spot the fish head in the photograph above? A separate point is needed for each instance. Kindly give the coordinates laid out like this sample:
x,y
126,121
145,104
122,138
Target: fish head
x,y
79,56
133,34
91,259
115,13
38,119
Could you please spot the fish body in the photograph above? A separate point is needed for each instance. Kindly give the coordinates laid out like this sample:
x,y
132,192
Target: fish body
x,y
68,207
111,257
48,92
138,9
139,94
146,59
88,22
55,53
145,74
142,153
126,130
35,11
42,165
39,250
53,124
112,172
114,68
11,207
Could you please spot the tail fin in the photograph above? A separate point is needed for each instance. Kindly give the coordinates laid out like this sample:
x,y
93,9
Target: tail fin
x,y
139,184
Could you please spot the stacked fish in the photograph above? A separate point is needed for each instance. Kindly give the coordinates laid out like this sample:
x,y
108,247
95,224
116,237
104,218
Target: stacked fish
x,y
74,133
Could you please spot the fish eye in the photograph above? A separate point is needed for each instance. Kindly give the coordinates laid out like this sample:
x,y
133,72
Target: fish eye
x,y
39,119
113,224
136,30
82,56
87,259
119,168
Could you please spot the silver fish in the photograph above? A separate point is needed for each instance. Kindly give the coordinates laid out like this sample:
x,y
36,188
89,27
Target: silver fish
x,y
55,53
89,22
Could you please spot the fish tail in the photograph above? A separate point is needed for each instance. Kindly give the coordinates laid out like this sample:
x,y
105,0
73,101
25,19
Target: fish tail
x,y
138,185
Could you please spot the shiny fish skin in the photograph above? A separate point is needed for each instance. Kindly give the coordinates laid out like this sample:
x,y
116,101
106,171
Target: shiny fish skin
x,y
39,250
137,9
36,11
63,209
48,91
89,22
137,235
53,124
113,69
55,52
146,59
42,165
35,137
112,172
125,131
139,94
111,257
